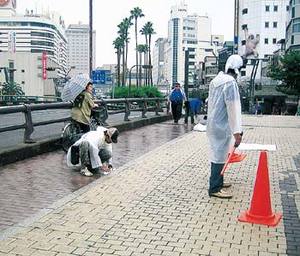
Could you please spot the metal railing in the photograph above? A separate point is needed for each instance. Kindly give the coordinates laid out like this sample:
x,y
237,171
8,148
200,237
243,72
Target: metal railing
x,y
114,106
21,99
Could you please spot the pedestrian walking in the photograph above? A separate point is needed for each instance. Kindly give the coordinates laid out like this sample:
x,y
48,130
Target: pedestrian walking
x,y
223,122
93,151
177,97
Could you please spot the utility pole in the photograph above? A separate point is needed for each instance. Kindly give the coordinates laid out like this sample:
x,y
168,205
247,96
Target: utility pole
x,y
186,87
90,37
236,25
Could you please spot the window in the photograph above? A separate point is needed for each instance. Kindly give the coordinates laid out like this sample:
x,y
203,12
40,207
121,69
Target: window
x,y
292,40
266,24
266,41
296,28
243,73
244,26
267,8
275,24
293,12
287,8
274,41
275,8
245,11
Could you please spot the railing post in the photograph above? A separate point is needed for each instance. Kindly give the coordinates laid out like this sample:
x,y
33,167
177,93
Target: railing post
x,y
127,111
157,107
28,125
144,109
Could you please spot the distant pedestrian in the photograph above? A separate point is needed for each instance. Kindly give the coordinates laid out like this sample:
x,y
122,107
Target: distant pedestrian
x,y
177,97
93,151
223,122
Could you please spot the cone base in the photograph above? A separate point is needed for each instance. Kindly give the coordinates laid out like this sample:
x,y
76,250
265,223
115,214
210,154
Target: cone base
x,y
272,220
236,158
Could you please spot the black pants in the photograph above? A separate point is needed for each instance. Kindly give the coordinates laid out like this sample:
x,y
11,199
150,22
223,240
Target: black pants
x,y
176,110
216,179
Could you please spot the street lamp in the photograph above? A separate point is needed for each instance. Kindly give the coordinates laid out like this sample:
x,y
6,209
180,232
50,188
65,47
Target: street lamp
x,y
90,37
143,66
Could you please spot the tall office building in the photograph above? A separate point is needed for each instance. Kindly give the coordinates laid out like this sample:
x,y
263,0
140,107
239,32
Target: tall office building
x,y
158,61
78,48
190,32
31,43
266,21
293,26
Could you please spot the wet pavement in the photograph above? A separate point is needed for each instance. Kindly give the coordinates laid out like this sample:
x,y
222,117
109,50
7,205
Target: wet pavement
x,y
158,204
33,184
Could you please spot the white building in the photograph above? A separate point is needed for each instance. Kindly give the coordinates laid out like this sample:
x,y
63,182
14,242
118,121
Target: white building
x,y
24,39
293,26
78,48
264,19
185,32
158,61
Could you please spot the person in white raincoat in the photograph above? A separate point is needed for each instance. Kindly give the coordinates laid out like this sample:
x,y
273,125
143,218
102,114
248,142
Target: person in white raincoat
x,y
93,150
223,122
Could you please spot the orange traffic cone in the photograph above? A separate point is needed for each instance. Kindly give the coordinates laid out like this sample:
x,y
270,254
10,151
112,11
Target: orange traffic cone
x,y
235,158
260,209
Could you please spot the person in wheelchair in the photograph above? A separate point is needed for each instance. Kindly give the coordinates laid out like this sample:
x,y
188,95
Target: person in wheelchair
x,y
93,151
82,108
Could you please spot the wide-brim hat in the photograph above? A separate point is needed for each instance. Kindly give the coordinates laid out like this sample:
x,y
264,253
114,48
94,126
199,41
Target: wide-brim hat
x,y
113,133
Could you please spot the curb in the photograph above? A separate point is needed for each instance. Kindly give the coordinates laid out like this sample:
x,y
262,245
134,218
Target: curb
x,y
23,151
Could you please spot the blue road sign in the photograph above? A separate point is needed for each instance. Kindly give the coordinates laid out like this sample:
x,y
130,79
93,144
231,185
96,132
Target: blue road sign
x,y
101,76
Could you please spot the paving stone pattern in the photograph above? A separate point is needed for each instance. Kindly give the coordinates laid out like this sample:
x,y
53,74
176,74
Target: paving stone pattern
x,y
157,204
31,185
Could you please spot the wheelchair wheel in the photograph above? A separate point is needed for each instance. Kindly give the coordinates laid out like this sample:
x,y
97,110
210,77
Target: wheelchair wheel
x,y
70,134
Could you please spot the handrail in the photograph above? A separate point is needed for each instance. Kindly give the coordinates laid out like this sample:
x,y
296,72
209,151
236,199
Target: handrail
x,y
29,125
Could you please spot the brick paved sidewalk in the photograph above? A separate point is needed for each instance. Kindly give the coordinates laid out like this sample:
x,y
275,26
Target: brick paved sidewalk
x,y
158,204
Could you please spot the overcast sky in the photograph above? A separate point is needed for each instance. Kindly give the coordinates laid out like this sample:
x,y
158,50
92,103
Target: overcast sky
x,y
108,14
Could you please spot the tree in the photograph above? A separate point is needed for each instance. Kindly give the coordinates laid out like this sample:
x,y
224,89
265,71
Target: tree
x,y
148,31
142,49
118,45
136,13
288,72
12,89
124,35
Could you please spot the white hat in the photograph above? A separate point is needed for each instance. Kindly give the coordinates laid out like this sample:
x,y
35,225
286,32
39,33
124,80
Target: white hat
x,y
234,62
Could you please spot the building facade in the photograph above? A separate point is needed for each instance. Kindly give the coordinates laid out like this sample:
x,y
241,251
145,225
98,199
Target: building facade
x,y
265,20
26,39
190,32
78,48
293,26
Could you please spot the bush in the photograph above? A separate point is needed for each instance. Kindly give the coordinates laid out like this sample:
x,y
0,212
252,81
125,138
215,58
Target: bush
x,y
141,92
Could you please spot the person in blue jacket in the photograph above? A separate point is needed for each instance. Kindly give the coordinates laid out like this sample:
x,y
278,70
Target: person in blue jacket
x,y
177,97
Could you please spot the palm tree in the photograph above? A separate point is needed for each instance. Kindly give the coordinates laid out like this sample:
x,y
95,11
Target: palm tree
x,y
148,31
142,49
118,45
136,13
124,35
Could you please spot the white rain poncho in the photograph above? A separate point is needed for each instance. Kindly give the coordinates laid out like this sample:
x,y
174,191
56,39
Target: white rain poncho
x,y
96,140
224,115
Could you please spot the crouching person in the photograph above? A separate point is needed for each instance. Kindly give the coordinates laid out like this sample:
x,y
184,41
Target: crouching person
x,y
93,151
